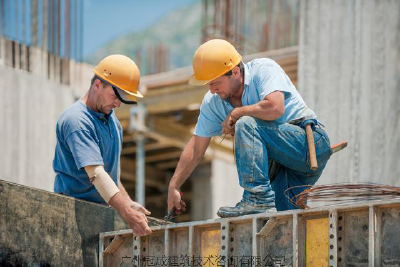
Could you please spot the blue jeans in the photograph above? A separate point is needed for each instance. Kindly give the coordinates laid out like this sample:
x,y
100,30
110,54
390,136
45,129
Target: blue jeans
x,y
257,140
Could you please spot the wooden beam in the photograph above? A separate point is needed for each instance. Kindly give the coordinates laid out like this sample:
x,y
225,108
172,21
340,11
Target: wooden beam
x,y
182,97
163,156
166,165
169,77
129,179
173,134
171,129
114,245
167,132
129,165
175,142
174,163
160,200
148,147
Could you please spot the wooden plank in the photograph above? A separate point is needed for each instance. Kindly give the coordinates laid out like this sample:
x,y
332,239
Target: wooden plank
x,y
128,173
148,147
114,245
166,165
174,142
150,182
338,147
266,230
163,156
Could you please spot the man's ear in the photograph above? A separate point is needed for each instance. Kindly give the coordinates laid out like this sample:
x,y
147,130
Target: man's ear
x,y
236,70
97,84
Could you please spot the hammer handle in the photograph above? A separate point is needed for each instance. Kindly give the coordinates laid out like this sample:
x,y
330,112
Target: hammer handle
x,y
311,147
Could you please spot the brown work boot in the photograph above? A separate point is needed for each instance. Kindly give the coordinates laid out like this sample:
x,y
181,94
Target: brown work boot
x,y
244,208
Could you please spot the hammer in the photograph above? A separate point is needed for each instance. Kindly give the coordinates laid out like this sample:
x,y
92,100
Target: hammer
x,y
311,147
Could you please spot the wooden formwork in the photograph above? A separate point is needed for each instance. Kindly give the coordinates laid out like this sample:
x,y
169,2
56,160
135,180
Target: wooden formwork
x,y
356,235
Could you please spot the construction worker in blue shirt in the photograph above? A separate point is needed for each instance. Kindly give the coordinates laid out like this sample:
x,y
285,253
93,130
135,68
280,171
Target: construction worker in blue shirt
x,y
89,141
258,105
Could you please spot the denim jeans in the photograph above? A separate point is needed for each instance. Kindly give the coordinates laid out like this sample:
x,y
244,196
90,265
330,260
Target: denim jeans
x,y
257,140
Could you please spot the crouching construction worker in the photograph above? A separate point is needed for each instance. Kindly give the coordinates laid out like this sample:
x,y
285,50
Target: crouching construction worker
x,y
257,104
89,141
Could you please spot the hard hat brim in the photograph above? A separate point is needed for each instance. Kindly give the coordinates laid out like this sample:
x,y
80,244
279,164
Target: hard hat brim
x,y
124,97
195,82
137,94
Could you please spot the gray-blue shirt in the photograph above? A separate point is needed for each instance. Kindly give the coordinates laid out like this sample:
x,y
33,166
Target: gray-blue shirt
x,y
84,138
261,77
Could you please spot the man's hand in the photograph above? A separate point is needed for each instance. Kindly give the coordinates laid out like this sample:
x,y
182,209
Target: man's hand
x,y
175,200
191,155
137,221
136,206
228,125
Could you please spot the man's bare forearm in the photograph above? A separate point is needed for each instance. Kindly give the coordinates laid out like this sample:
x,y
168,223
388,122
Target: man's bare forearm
x,y
190,158
269,109
123,191
118,202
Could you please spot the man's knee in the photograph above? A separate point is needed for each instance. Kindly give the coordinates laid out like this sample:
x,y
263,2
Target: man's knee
x,y
245,123
248,122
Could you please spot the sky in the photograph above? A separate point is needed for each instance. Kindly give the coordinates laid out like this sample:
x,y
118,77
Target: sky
x,y
105,19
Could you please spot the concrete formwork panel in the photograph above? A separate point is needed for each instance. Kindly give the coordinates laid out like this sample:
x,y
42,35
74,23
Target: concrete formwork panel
x,y
39,228
356,235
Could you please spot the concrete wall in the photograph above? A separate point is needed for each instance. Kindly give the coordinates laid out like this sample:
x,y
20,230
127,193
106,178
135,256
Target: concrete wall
x,y
29,108
39,228
349,73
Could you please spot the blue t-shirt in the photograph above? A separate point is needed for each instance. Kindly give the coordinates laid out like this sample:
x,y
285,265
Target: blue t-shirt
x,y
262,77
84,138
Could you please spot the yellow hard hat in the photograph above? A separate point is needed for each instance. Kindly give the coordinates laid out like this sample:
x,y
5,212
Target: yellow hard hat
x,y
212,60
122,74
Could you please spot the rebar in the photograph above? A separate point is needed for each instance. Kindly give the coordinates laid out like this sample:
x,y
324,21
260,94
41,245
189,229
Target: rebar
x,y
343,193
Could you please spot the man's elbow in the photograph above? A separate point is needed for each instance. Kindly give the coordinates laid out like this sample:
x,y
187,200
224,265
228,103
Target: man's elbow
x,y
279,110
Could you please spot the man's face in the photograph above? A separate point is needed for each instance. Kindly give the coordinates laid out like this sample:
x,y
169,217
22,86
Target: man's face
x,y
221,86
226,86
106,98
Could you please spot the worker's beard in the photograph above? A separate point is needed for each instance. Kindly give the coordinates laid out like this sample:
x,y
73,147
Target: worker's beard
x,y
107,109
235,86
101,108
223,96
